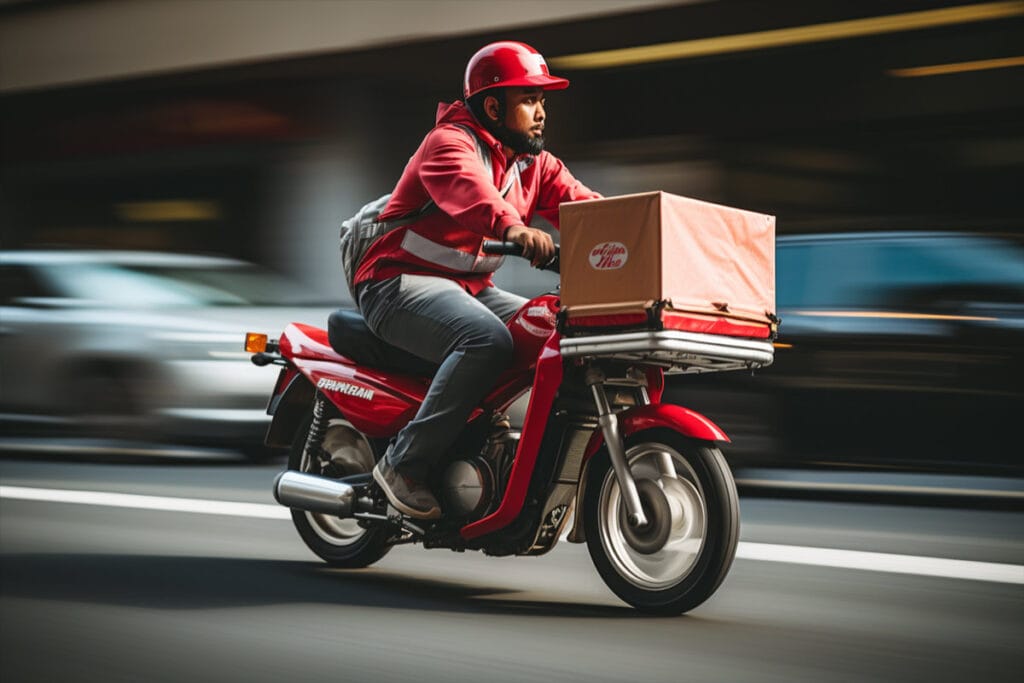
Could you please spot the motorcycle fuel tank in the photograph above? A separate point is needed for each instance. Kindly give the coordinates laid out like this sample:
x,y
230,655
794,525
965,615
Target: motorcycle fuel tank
x,y
530,327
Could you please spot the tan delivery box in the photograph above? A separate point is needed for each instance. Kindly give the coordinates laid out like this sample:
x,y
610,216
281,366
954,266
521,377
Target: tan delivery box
x,y
712,266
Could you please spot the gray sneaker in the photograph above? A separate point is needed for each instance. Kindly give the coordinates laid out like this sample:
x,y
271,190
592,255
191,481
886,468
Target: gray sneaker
x,y
407,495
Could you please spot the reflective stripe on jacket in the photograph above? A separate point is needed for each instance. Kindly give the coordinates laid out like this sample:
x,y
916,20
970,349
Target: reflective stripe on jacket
x,y
447,169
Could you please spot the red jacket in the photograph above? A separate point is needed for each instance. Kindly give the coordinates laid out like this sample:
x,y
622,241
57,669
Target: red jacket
x,y
447,169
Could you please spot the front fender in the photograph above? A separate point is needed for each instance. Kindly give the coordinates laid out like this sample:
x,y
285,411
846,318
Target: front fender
x,y
683,420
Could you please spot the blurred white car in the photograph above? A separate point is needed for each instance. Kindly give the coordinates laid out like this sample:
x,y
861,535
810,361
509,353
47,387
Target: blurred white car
x,y
139,345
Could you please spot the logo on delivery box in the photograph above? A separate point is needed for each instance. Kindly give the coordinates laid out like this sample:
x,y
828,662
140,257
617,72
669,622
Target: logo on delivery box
x,y
608,256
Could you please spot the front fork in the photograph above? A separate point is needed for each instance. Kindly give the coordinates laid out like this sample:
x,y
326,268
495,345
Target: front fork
x,y
616,450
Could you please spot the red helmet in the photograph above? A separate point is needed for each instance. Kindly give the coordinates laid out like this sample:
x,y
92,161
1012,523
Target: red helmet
x,y
508,64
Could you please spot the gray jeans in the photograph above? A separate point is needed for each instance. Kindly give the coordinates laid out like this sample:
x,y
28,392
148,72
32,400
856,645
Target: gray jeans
x,y
436,319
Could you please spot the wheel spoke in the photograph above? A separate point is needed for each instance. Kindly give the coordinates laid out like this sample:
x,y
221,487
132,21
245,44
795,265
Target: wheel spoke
x,y
666,466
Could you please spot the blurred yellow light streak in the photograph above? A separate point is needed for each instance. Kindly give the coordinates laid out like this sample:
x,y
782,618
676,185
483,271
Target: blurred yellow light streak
x,y
957,67
782,346
167,210
883,314
851,28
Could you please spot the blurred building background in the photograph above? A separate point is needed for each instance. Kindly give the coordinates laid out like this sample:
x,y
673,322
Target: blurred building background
x,y
252,129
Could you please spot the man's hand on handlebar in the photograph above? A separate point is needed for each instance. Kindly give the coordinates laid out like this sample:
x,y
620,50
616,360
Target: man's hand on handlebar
x,y
537,245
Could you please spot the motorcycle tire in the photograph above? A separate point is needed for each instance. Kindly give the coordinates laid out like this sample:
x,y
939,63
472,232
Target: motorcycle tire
x,y
661,571
342,543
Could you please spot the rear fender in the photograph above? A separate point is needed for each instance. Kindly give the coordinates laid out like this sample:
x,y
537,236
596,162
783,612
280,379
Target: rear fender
x,y
655,415
290,408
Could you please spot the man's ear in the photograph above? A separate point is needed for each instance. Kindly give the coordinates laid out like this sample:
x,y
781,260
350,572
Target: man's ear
x,y
492,108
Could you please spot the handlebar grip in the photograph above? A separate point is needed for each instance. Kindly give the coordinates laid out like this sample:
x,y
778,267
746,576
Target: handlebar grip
x,y
495,248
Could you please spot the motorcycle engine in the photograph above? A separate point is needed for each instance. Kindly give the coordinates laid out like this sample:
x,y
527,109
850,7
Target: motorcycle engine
x,y
471,487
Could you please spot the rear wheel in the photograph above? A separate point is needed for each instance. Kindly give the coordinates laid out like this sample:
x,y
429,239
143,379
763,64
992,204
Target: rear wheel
x,y
340,542
688,495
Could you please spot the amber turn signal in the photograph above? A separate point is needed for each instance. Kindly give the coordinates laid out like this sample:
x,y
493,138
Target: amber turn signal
x,y
255,342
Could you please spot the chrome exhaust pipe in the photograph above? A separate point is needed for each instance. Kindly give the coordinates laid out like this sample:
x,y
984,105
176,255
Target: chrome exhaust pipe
x,y
302,491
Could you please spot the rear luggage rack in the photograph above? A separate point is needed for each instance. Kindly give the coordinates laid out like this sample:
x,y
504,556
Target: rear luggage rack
x,y
676,351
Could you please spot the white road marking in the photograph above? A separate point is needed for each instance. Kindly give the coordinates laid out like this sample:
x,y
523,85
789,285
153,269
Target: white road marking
x,y
131,500
883,562
769,552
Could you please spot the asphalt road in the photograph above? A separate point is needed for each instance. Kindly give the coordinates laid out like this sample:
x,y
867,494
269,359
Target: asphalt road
x,y
94,592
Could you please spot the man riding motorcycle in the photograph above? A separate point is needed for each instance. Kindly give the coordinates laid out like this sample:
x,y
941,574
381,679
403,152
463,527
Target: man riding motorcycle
x,y
426,288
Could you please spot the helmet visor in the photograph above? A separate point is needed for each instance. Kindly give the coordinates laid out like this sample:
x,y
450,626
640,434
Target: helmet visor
x,y
545,81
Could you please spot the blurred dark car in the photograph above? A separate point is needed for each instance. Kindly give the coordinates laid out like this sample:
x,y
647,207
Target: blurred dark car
x,y
897,350
142,346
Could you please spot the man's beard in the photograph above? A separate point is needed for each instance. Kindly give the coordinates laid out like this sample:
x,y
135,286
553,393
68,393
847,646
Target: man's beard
x,y
519,142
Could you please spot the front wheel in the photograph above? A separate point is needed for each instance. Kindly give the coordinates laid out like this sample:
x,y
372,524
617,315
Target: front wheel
x,y
687,492
340,542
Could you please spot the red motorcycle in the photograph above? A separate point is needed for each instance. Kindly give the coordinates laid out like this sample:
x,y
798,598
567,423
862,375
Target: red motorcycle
x,y
644,482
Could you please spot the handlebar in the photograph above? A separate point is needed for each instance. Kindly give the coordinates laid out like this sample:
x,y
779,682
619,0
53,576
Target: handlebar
x,y
494,248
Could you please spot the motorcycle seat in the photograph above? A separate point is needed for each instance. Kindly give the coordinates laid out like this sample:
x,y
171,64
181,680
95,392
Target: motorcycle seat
x,y
350,336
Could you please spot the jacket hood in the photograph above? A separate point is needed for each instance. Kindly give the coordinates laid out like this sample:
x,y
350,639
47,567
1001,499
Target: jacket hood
x,y
458,112
455,112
